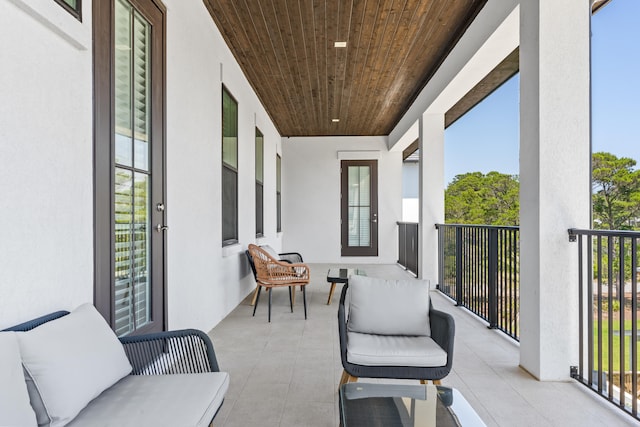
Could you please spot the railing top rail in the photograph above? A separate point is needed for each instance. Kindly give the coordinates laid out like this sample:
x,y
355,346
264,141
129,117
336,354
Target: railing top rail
x,y
499,227
614,233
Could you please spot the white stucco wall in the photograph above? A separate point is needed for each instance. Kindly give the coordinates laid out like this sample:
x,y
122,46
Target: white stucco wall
x,y
311,193
46,165
206,281
46,204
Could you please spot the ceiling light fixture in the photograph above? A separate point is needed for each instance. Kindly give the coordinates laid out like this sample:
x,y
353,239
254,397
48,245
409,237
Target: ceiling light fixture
x,y
339,44
335,120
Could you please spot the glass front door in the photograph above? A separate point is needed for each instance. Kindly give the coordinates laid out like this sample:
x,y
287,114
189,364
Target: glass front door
x,y
359,207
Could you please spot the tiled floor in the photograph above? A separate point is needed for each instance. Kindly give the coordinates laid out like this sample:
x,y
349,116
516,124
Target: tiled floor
x,y
286,373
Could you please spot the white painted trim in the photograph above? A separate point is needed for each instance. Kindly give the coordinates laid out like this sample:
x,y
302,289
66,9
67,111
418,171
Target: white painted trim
x,y
358,155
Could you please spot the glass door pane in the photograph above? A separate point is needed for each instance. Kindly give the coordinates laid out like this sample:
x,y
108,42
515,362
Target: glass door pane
x,y
132,273
359,206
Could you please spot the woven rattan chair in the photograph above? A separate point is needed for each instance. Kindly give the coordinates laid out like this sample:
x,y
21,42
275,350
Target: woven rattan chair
x,y
272,273
290,257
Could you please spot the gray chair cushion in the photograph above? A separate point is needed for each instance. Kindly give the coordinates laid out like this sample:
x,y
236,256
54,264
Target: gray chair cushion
x,y
15,409
268,249
388,307
157,400
385,350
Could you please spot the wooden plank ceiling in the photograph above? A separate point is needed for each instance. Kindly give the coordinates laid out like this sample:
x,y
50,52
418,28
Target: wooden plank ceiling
x,y
286,50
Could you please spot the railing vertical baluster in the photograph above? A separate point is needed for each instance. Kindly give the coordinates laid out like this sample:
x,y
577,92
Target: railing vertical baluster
x,y
621,328
493,277
580,308
610,313
634,326
458,266
590,308
599,261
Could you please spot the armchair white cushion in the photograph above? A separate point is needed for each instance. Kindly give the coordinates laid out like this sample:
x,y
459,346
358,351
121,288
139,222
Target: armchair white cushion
x,y
388,307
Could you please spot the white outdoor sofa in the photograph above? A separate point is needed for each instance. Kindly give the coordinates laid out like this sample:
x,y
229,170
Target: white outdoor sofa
x,y
71,369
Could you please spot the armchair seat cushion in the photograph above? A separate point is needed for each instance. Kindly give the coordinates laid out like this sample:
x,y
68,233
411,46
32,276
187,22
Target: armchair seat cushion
x,y
387,350
157,400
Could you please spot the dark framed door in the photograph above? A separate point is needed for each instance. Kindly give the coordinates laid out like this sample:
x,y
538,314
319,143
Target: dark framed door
x,y
129,164
359,207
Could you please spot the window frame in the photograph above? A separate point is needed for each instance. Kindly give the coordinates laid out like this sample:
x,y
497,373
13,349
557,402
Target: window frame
x,y
259,183
229,168
278,193
76,12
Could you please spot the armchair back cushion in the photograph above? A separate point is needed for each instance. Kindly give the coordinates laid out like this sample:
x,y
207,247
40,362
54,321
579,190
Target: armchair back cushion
x,y
69,361
15,409
388,307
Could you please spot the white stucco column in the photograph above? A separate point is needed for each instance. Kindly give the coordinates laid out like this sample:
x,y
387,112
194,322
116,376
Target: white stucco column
x,y
431,193
554,178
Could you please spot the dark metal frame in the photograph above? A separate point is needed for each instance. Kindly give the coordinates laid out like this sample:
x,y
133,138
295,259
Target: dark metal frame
x,y
192,349
442,332
483,261
408,252
612,244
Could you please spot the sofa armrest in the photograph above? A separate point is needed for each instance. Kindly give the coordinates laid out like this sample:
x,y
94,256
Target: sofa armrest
x,y
443,331
186,351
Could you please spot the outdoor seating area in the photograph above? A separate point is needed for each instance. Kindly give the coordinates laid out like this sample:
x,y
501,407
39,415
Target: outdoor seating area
x,y
287,372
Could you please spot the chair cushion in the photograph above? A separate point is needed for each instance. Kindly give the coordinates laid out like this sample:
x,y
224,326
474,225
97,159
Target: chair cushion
x,y
157,400
268,249
70,361
385,350
388,307
15,409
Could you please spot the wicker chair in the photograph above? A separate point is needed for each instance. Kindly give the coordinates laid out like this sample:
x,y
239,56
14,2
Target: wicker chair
x,y
271,273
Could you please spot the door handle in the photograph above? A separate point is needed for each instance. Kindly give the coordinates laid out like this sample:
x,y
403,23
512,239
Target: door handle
x,y
160,228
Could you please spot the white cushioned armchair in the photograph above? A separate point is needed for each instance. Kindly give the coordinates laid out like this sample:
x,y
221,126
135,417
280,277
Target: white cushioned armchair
x,y
389,329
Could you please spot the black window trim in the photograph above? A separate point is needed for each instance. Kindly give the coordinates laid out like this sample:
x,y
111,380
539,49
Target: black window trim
x,y
77,12
235,240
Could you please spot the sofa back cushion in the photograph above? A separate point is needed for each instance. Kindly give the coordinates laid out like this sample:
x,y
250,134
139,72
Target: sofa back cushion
x,y
388,307
15,409
70,361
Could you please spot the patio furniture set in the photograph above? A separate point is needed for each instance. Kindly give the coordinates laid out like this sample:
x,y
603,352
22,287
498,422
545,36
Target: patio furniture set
x,y
71,369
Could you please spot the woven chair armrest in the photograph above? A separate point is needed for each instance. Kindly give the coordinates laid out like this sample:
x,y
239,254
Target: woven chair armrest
x,y
186,351
283,271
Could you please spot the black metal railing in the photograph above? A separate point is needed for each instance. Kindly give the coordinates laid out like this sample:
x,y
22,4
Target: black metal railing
x,y
608,312
408,246
479,267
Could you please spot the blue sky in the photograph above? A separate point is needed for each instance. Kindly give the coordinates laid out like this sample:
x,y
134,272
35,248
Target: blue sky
x,y
486,139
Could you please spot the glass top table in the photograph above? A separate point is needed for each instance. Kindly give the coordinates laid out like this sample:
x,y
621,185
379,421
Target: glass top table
x,y
340,275
391,405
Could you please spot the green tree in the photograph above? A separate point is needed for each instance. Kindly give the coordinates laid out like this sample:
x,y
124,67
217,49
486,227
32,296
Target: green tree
x,y
616,192
476,198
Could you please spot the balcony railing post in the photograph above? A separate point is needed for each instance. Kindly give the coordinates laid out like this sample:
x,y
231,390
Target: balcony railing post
x,y
493,278
459,264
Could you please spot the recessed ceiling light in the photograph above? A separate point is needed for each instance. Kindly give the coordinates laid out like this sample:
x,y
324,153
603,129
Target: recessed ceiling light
x,y
339,44
335,120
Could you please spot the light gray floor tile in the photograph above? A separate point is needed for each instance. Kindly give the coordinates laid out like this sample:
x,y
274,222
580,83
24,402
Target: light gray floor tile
x,y
286,373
